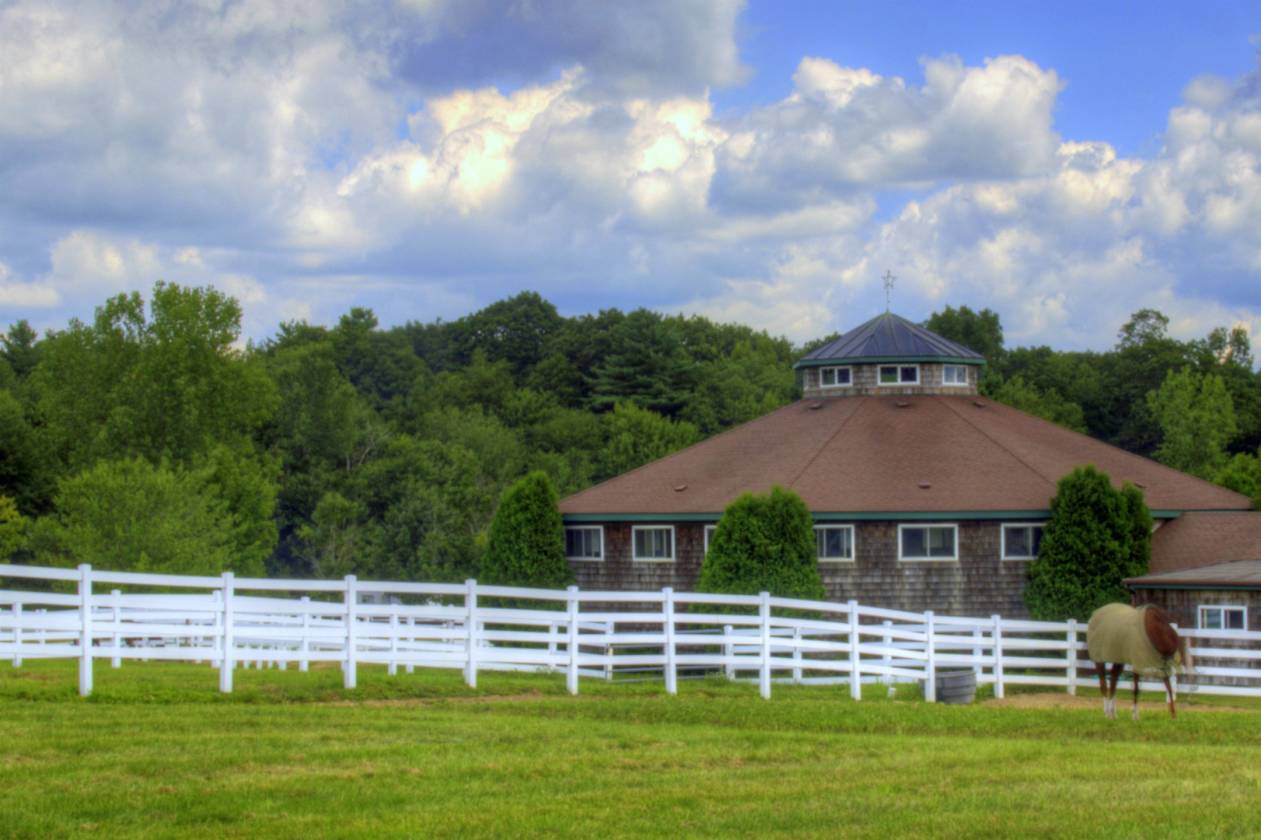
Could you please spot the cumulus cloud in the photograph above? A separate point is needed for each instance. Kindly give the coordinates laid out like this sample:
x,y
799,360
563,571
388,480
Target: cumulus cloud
x,y
426,158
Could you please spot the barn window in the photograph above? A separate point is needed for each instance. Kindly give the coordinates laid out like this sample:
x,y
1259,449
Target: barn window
x,y
654,543
899,375
584,542
1021,542
835,377
834,543
928,542
1218,617
709,535
954,375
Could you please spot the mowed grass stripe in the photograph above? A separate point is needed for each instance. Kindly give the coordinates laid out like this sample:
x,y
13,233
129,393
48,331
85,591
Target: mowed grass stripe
x,y
424,756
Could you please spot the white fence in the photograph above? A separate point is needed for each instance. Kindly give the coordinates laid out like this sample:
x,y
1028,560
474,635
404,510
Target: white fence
x,y
230,622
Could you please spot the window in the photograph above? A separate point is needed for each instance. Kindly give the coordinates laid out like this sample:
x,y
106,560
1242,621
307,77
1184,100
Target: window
x,y
1021,542
709,535
584,542
899,375
927,542
835,377
654,543
834,543
954,375
1223,618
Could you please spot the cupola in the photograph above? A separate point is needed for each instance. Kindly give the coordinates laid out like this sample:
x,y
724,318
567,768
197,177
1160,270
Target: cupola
x,y
888,356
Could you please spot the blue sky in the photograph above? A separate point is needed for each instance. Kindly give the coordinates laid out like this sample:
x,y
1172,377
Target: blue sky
x,y
1064,164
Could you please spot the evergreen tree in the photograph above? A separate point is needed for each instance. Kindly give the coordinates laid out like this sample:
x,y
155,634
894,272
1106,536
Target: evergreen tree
x,y
647,365
1096,537
764,544
527,538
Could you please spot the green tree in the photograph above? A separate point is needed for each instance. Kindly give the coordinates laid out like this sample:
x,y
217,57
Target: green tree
x,y
1242,473
131,515
12,529
981,332
747,382
333,542
1197,422
1091,543
25,473
19,348
764,544
647,364
516,331
526,546
1048,405
635,436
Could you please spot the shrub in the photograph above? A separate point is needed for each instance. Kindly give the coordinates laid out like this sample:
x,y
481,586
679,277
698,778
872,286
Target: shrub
x,y
527,540
1096,537
764,544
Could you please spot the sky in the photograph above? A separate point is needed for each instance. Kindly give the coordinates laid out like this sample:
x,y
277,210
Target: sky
x,y
765,162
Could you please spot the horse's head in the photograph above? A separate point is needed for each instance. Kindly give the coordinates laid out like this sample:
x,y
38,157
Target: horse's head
x,y
1164,636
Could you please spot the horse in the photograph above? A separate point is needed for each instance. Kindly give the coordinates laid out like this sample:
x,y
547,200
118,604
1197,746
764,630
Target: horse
x,y
1143,638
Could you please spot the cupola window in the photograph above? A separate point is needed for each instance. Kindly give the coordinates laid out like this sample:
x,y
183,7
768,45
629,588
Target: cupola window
x,y
836,377
899,375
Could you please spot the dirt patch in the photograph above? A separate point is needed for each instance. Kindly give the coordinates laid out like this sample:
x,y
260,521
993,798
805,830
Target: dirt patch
x,y
1060,700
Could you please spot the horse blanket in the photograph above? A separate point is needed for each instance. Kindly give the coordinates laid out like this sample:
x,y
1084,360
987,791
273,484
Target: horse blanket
x,y
1118,633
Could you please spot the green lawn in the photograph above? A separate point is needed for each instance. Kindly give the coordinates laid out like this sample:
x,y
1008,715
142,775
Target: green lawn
x,y
157,752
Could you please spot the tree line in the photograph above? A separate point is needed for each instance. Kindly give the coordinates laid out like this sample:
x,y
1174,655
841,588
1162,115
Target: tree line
x,y
153,438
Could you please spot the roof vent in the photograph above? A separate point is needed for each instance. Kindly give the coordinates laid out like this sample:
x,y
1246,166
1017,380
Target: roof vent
x,y
902,404
978,404
924,485
679,488
1140,485
815,406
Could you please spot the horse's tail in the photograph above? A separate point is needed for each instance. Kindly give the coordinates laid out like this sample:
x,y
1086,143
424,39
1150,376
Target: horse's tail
x,y
1184,651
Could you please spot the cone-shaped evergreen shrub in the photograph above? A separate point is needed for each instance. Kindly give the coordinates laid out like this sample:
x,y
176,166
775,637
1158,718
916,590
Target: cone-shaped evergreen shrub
x,y
527,539
1096,537
764,544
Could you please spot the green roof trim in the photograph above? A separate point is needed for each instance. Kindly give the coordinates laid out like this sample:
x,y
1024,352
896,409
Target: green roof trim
x,y
840,516
1192,585
879,360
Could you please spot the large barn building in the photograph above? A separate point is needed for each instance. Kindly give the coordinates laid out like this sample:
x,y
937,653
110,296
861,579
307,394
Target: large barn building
x,y
924,495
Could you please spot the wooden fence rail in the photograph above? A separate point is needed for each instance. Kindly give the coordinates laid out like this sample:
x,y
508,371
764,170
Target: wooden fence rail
x,y
229,622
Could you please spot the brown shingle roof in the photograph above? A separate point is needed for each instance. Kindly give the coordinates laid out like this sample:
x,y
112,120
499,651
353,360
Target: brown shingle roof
x,y
1244,574
875,454
1195,540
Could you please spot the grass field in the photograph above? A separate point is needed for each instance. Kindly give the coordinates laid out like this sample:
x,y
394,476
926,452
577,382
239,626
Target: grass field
x,y
157,752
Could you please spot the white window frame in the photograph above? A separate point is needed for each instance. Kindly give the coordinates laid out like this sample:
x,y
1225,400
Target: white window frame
x,y
603,551
1003,528
710,530
1203,608
849,384
951,525
674,544
947,384
899,383
853,543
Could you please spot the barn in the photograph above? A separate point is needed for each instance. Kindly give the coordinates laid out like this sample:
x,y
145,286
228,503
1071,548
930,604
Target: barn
x,y
924,494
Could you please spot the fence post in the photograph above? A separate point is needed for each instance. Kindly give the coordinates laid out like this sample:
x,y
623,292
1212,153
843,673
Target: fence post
x,y
1072,656
887,641
855,655
551,646
227,639
392,668
116,660
610,629
350,662
998,655
978,650
797,655
571,604
85,634
930,667
728,652
667,609
304,644
411,642
470,633
17,634
764,672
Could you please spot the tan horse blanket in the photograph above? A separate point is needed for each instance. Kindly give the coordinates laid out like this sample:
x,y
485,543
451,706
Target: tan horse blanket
x,y
1117,633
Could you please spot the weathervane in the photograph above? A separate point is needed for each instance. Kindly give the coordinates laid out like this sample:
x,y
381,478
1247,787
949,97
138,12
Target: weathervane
x,y
888,287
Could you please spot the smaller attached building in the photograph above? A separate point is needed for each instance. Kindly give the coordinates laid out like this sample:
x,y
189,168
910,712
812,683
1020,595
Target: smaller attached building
x,y
1206,570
